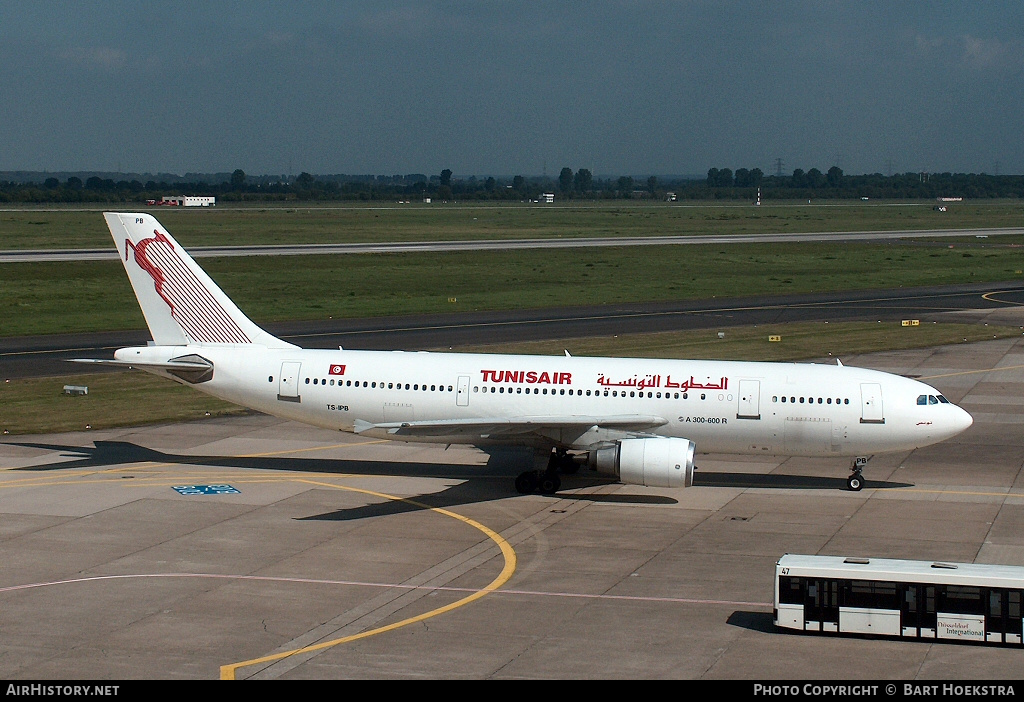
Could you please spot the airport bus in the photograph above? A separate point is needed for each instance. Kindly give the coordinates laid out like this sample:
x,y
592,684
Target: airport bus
x,y
920,600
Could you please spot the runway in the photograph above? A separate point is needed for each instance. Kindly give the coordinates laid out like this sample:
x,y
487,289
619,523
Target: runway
x,y
25,357
39,255
252,548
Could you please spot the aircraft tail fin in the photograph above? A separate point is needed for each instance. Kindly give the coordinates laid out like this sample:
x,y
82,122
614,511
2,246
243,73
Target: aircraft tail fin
x,y
181,303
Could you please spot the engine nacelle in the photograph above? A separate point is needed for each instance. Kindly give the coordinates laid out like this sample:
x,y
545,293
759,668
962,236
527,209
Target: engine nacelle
x,y
654,462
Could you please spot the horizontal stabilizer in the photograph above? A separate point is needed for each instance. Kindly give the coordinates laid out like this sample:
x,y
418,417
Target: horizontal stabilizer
x,y
166,365
192,367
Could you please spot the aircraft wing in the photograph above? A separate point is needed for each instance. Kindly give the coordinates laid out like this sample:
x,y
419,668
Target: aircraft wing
x,y
496,428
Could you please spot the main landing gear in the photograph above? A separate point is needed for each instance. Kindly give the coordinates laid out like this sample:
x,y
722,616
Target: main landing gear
x,y
547,481
856,480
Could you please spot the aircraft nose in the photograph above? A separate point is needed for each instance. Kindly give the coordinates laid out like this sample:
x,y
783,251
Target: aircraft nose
x,y
964,420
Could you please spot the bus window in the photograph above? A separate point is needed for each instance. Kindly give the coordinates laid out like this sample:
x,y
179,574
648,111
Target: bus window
x,y
961,599
790,591
871,595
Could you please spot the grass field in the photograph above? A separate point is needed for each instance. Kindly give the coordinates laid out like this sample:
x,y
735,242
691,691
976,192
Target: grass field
x,y
46,298
131,398
338,222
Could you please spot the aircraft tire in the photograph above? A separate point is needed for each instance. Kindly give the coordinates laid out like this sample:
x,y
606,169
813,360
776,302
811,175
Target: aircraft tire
x,y
526,482
855,482
549,484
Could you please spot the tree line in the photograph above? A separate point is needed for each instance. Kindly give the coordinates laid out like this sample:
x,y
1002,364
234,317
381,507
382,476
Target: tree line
x,y
581,184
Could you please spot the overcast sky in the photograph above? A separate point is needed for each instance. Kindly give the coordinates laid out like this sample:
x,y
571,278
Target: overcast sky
x,y
504,88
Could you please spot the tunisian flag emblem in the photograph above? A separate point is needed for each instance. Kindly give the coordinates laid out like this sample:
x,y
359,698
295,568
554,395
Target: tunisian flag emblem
x,y
337,370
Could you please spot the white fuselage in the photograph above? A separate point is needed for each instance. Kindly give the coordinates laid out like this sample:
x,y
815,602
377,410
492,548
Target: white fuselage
x,y
797,409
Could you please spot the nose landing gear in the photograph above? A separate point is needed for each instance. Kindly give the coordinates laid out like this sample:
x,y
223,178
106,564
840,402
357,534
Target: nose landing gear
x,y
856,480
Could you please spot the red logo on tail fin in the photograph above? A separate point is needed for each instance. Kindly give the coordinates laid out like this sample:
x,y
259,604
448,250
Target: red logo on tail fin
x,y
145,264
193,305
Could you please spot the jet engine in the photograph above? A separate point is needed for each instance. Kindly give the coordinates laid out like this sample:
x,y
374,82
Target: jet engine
x,y
654,462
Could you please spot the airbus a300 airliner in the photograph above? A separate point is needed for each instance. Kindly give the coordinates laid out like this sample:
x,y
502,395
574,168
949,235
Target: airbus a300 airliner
x,y
634,419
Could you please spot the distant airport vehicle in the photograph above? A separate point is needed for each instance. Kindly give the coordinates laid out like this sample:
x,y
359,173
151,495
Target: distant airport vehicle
x,y
639,420
184,201
920,600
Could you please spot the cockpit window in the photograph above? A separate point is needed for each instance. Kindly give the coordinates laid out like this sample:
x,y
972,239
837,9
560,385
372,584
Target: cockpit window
x,y
943,400
931,400
922,399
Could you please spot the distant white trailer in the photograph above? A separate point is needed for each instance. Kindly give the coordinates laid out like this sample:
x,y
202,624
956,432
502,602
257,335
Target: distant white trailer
x,y
185,201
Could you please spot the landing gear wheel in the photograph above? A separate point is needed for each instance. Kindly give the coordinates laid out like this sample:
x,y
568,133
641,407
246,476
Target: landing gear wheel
x,y
856,480
549,483
526,482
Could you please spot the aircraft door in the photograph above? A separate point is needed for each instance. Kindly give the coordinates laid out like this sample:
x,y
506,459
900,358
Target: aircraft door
x,y
288,386
462,391
871,404
749,400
